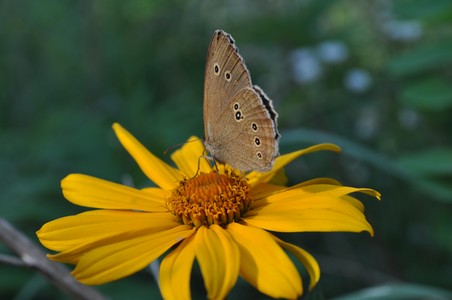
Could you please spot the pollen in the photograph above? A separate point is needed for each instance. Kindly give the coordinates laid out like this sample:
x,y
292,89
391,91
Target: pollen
x,y
210,198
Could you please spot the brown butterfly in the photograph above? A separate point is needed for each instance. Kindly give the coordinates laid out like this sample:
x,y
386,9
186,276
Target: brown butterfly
x,y
239,120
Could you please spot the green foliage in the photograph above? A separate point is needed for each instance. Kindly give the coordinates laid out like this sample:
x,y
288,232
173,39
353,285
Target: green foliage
x,y
399,291
69,69
420,60
437,90
432,162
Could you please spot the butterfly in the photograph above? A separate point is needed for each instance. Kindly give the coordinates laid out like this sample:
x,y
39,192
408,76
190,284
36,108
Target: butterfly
x,y
239,119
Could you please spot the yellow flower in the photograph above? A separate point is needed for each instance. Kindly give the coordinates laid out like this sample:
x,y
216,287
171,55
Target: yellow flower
x,y
220,218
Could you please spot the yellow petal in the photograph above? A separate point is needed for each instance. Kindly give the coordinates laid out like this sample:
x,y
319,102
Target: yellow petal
x,y
218,258
90,191
338,191
190,158
118,260
306,259
155,169
327,190
73,255
355,202
97,228
328,184
296,210
321,180
175,271
263,190
279,177
264,264
280,162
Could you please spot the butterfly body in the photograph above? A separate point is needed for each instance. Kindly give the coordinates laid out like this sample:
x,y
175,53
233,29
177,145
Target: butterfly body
x,y
239,119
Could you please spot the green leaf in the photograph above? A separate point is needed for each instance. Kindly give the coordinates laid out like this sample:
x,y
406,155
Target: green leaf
x,y
432,94
399,291
430,56
431,162
421,9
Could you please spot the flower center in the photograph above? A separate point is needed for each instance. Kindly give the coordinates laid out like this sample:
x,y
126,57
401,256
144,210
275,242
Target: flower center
x,y
210,198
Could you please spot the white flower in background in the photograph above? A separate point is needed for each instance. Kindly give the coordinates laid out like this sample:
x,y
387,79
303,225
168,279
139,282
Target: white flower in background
x,y
403,30
332,52
306,66
357,80
393,28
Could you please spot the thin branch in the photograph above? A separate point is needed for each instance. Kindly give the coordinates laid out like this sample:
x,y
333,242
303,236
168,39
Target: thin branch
x,y
11,260
33,257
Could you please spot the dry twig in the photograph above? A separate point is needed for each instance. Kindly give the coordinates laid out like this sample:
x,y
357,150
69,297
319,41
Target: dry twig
x,y
31,256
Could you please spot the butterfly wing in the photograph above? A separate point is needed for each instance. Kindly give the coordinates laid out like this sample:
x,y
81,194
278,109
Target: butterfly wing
x,y
250,141
225,75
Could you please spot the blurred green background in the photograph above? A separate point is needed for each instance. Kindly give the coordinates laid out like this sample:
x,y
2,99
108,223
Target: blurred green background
x,y
373,77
